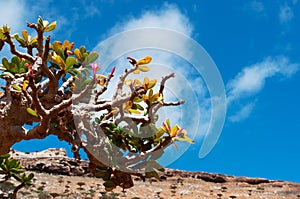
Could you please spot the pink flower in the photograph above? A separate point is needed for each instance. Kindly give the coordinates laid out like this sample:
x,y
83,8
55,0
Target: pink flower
x,y
94,68
29,66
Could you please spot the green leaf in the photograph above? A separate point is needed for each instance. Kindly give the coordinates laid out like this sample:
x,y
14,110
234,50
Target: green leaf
x,y
32,112
2,36
18,178
5,156
16,61
16,88
6,29
131,110
137,106
108,129
82,50
137,99
70,62
18,171
12,163
72,72
90,58
30,176
113,125
50,27
40,23
5,62
21,41
62,54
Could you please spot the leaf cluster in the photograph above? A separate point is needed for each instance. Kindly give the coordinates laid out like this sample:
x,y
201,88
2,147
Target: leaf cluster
x,y
12,168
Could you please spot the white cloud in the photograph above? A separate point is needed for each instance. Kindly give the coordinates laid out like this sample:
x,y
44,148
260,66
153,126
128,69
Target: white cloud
x,y
12,13
294,1
251,80
243,113
286,14
168,16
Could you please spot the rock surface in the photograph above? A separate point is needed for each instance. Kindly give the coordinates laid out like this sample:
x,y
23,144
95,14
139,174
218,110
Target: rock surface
x,y
57,176
54,161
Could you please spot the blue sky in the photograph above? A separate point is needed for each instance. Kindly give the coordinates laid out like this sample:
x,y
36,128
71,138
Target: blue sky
x,y
255,45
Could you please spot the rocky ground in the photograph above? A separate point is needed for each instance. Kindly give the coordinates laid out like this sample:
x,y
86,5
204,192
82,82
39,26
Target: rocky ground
x,y
57,176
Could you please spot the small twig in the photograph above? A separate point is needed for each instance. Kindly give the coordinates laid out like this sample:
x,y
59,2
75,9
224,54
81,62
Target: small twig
x,y
40,38
101,101
144,155
29,50
163,81
35,99
47,48
28,97
121,81
74,99
14,51
104,88
179,102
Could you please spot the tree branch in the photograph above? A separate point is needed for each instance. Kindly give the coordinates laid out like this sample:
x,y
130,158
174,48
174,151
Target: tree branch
x,y
40,38
15,52
47,48
163,81
144,155
104,88
121,81
36,101
65,85
75,99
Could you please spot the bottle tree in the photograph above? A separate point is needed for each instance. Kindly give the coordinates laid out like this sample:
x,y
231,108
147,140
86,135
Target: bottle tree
x,y
56,89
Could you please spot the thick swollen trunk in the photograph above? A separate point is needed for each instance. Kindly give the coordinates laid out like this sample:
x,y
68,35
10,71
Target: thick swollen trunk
x,y
10,134
7,136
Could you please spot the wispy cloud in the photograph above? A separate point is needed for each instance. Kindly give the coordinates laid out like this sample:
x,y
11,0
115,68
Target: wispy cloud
x,y
251,80
243,113
257,6
294,1
12,13
168,16
286,14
